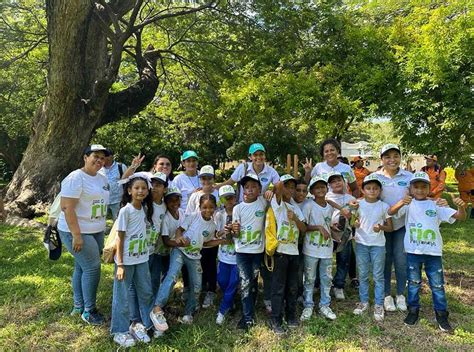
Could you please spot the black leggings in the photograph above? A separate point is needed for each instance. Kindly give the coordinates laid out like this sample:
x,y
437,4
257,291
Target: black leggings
x,y
209,269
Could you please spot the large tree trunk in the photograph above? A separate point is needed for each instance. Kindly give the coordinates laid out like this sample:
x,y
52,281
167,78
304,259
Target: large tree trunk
x,y
74,106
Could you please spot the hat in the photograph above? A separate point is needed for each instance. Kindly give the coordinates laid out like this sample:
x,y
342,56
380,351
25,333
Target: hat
x,y
286,178
189,154
357,158
249,177
159,176
333,174
173,191
432,157
146,175
206,170
388,147
315,180
371,178
255,148
226,190
420,176
97,148
52,242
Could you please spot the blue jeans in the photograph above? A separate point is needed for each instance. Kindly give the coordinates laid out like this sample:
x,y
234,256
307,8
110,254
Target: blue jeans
x,y
395,253
325,277
177,260
434,273
249,267
139,275
86,275
114,210
343,260
228,279
371,257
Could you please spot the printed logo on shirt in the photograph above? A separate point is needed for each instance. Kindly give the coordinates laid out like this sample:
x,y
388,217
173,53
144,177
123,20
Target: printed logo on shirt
x,y
259,213
99,209
431,213
162,216
316,239
264,179
106,187
287,233
247,236
419,236
137,246
205,233
403,183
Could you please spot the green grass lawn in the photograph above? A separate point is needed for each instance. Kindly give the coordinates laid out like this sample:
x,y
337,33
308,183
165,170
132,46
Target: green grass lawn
x,y
36,297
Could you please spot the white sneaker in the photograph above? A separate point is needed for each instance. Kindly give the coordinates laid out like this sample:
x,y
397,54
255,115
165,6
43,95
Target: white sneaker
x,y
339,293
361,308
159,321
268,306
307,313
378,312
157,334
389,304
186,319
220,318
138,331
208,299
124,339
327,312
401,303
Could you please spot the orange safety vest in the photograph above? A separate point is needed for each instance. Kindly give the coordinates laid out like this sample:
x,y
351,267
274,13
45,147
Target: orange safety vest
x,y
360,174
437,180
465,184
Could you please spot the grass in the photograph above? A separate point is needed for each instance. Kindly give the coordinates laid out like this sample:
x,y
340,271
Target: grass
x,y
35,299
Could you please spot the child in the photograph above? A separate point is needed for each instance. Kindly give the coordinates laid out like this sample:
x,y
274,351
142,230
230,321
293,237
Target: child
x,y
289,224
206,178
187,182
317,248
248,227
192,233
370,245
131,263
424,245
227,271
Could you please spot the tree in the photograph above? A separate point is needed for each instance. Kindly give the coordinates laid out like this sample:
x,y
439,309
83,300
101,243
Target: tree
x,y
86,41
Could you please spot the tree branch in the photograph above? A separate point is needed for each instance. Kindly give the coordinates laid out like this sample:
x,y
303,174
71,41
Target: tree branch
x,y
7,63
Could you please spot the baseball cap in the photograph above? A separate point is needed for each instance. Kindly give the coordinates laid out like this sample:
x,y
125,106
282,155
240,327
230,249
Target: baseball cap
x,y
315,180
160,177
285,178
388,147
173,191
249,177
206,170
52,242
256,147
371,178
432,157
189,154
332,174
97,148
420,176
226,190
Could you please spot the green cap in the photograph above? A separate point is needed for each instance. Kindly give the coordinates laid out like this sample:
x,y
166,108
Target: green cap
x,y
371,178
189,154
285,178
255,148
315,180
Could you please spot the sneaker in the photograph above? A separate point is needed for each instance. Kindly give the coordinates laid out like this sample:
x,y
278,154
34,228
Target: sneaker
x,y
276,328
268,306
124,339
412,316
157,334
159,321
139,333
339,293
244,325
186,319
293,323
327,312
307,313
92,317
360,308
389,305
355,283
208,299
401,303
76,311
442,319
379,312
300,300
220,318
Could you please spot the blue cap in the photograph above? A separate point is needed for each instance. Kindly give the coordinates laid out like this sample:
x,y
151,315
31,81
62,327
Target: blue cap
x,y
255,148
189,154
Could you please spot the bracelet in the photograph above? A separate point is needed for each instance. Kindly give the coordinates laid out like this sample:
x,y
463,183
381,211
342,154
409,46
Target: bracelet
x,y
119,264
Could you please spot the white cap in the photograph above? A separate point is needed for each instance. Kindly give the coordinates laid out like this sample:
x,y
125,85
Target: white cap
x,y
226,190
285,178
371,178
316,179
420,176
249,177
161,177
173,190
142,174
388,147
206,170
332,174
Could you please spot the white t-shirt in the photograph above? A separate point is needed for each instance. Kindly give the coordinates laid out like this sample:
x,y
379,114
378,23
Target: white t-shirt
x,y
170,224
394,189
197,230
422,234
93,195
287,232
322,169
193,201
226,253
186,184
314,243
133,222
371,214
155,242
340,199
251,217
267,176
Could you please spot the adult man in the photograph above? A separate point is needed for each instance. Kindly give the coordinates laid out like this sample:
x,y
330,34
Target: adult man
x,y
114,172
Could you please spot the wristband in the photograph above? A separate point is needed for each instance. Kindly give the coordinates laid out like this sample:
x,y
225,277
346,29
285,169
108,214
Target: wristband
x,y
119,264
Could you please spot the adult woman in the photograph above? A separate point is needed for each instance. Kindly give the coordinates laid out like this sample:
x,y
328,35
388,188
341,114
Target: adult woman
x,y
188,181
81,225
437,176
329,150
163,164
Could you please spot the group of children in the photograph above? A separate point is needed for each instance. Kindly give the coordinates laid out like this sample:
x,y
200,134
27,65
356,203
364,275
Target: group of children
x,y
157,239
